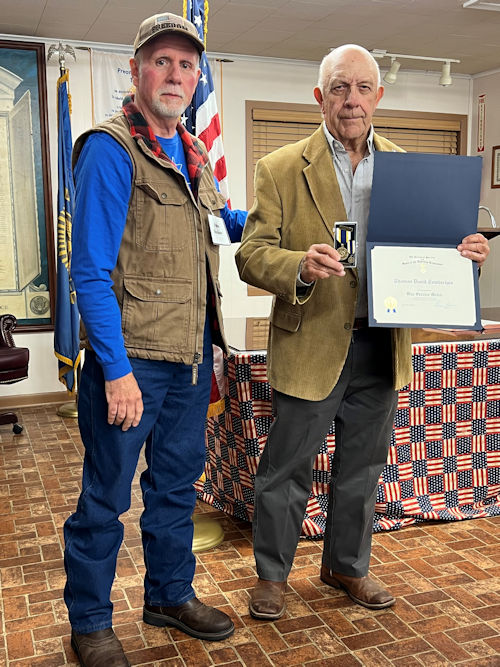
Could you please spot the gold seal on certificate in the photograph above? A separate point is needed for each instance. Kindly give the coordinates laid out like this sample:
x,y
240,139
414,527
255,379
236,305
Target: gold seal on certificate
x,y
344,234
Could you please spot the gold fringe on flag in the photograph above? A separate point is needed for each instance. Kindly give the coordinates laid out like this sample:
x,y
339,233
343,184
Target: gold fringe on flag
x,y
205,27
206,9
60,81
216,409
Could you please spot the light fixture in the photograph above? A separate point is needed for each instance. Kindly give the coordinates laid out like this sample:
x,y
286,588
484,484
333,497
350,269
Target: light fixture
x,y
482,4
492,217
392,74
445,79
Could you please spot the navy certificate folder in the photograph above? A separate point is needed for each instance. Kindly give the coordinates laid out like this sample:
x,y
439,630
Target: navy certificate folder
x,y
423,199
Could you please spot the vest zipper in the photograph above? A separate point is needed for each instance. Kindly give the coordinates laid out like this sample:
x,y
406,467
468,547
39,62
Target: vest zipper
x,y
196,360
197,355
194,377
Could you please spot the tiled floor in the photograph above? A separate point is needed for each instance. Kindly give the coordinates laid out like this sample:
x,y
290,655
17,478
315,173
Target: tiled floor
x,y
444,575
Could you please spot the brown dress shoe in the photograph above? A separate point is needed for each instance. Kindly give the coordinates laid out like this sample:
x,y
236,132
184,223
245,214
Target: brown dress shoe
x,y
362,590
98,649
267,600
193,617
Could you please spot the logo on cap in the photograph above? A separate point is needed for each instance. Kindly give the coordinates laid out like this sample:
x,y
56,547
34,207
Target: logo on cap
x,y
169,26
162,18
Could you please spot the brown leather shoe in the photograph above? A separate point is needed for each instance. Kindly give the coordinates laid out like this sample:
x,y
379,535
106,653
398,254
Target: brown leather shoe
x,y
193,617
99,649
267,600
362,590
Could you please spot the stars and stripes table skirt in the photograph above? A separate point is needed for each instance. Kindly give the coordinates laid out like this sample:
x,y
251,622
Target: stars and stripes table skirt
x,y
444,457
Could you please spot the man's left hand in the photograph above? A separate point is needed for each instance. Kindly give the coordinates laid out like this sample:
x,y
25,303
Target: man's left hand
x,y
475,247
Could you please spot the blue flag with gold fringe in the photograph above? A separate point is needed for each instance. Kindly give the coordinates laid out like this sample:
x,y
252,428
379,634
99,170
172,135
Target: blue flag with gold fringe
x,y
67,319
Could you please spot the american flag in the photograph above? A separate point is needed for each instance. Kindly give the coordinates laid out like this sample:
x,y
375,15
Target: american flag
x,y
201,118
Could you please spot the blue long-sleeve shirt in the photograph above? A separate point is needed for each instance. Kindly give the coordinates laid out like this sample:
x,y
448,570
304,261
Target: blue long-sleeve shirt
x,y
103,178
235,220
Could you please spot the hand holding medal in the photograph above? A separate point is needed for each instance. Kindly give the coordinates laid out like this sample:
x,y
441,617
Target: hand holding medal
x,y
320,261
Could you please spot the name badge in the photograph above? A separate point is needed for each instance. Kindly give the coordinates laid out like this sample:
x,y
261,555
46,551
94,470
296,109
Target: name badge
x,y
218,230
344,234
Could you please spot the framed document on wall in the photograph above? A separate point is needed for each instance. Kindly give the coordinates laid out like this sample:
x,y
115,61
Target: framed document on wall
x,y
27,263
495,167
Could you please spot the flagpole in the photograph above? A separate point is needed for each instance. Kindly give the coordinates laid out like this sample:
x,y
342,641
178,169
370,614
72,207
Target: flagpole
x,y
208,533
67,362
70,409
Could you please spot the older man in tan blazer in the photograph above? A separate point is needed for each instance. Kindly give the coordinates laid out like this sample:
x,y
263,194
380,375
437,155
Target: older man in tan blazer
x,y
324,362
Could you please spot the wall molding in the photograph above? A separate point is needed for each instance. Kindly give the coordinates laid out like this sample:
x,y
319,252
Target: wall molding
x,y
489,72
20,401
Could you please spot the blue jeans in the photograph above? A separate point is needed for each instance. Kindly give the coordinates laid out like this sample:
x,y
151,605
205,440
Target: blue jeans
x,y
173,428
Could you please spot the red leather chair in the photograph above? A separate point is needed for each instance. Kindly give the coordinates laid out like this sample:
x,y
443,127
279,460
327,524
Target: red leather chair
x,y
13,364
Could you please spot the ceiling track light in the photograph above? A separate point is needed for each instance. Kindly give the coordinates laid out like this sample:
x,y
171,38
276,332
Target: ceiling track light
x,y
482,4
391,75
446,79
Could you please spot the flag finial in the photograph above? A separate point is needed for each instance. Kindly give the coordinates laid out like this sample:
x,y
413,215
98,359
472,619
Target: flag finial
x,y
61,51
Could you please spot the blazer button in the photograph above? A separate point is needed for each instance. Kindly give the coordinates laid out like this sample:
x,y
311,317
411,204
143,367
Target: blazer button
x,y
158,291
347,326
353,283
163,195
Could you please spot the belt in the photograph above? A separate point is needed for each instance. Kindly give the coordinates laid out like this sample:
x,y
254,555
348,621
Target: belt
x,y
360,323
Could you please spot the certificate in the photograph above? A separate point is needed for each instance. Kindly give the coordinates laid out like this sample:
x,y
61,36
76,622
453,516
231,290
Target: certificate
x,y
421,207
421,286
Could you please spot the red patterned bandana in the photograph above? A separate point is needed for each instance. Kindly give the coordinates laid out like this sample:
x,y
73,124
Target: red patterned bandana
x,y
196,158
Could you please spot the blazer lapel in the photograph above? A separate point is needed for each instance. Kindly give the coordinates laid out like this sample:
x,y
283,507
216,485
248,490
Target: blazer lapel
x,y
321,179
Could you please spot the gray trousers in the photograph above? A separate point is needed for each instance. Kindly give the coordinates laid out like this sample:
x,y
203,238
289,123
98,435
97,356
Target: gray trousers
x,y
362,404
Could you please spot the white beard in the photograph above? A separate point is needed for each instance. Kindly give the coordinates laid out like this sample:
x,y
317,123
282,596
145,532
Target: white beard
x,y
168,110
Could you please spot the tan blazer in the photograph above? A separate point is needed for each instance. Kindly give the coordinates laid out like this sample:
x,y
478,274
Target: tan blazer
x,y
297,201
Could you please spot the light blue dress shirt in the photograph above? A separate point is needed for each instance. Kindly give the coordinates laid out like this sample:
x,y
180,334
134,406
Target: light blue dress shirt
x,y
356,190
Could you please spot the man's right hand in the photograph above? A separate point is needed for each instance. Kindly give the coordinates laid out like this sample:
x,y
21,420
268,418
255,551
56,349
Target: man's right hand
x,y
320,261
124,398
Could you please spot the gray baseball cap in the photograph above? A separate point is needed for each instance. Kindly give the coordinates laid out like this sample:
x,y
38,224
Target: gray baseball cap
x,y
160,24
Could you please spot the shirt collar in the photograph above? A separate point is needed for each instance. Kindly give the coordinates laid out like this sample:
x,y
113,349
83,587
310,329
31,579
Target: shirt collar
x,y
336,145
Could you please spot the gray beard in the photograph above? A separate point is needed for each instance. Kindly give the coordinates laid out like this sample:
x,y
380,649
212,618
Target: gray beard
x,y
163,110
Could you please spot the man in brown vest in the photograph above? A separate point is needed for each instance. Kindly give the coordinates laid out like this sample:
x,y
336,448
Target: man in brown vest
x,y
324,362
145,266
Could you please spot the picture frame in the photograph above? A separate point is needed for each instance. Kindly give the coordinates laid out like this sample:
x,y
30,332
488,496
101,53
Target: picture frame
x,y
495,167
27,257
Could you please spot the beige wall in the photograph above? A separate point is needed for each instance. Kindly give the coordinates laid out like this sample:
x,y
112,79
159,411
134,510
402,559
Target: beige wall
x,y
243,79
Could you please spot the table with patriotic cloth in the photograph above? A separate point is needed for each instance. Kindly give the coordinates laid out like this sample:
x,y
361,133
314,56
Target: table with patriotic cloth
x,y
444,458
